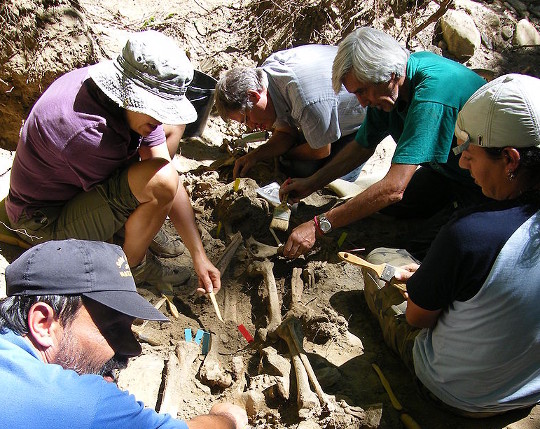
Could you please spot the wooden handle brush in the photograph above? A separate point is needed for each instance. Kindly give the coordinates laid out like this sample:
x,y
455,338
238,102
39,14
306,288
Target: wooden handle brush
x,y
281,216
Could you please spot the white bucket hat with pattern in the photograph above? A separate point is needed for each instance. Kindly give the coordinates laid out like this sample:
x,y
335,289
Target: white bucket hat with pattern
x,y
504,112
150,76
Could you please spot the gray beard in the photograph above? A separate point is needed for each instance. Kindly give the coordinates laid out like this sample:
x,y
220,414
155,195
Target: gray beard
x,y
70,356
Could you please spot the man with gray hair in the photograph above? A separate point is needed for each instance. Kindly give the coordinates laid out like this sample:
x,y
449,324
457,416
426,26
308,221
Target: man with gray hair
x,y
415,98
92,159
291,94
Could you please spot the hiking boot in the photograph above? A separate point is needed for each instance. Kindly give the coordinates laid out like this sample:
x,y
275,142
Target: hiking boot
x,y
165,246
154,273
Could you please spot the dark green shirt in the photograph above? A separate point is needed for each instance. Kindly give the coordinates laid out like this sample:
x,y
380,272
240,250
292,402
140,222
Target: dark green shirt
x,y
423,127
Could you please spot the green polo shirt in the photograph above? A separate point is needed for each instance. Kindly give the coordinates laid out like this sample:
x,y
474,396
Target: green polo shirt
x,y
423,128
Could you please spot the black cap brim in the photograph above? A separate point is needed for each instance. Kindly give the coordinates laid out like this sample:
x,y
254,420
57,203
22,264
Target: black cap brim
x,y
129,303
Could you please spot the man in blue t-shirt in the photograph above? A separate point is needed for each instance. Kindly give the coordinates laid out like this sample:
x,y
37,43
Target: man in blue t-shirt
x,y
415,98
64,328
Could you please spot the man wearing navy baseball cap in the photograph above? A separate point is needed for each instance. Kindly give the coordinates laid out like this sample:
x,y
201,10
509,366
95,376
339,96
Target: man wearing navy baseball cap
x,y
65,326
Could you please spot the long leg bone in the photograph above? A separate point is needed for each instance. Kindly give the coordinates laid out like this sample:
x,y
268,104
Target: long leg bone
x,y
306,399
264,268
225,259
179,373
325,400
297,287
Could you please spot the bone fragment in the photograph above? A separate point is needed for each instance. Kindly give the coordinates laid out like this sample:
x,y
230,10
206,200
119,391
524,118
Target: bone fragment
x,y
230,293
260,250
279,367
187,353
254,402
222,265
226,258
297,286
212,372
238,367
142,378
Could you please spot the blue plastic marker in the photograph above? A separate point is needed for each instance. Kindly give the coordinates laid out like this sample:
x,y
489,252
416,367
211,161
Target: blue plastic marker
x,y
187,335
198,336
206,343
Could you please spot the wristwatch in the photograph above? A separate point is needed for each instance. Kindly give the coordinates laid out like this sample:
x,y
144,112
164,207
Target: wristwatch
x,y
324,224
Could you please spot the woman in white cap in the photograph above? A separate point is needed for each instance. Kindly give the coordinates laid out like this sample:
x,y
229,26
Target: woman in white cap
x,y
477,292
92,159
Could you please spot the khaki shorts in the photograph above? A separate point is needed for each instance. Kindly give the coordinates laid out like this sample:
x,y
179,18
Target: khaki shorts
x,y
93,215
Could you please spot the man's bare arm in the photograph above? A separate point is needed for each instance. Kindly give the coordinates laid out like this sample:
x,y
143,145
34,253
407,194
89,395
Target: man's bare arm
x,y
350,157
221,416
305,152
381,194
419,317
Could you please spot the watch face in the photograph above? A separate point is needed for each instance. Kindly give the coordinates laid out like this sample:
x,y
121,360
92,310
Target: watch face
x,y
325,224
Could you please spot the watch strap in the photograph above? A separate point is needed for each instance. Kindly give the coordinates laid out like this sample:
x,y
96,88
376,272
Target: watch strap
x,y
317,226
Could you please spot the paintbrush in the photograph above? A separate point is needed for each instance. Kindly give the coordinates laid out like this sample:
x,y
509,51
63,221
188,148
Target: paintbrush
x,y
282,213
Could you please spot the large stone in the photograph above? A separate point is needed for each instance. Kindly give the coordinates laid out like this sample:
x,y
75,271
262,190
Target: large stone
x,y
525,34
460,34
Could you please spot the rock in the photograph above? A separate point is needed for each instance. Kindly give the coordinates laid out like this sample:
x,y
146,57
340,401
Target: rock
x,y
280,368
254,403
486,41
274,363
483,15
460,34
373,416
507,32
525,34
